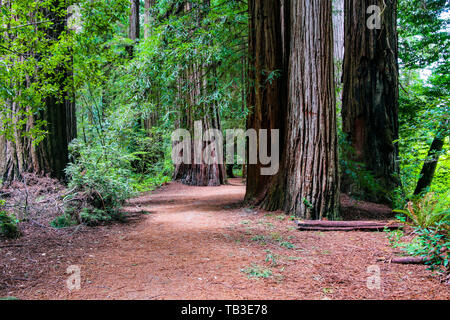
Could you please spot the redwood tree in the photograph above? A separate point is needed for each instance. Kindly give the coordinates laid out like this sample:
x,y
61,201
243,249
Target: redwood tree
x,y
20,152
193,108
307,184
267,75
370,96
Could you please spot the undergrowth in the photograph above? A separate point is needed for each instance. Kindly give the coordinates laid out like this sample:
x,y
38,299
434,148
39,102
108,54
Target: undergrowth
x,y
429,216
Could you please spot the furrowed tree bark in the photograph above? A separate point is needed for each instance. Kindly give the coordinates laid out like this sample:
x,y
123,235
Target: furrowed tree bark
x,y
199,174
370,95
266,98
307,184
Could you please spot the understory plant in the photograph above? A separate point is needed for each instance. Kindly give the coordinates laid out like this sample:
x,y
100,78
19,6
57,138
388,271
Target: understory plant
x,y
429,215
8,223
100,181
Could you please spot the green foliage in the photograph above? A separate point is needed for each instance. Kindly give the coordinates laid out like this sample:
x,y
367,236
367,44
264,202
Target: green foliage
x,y
8,223
434,246
287,245
30,63
272,258
365,183
63,221
423,32
100,174
430,217
93,217
424,95
394,237
428,211
256,271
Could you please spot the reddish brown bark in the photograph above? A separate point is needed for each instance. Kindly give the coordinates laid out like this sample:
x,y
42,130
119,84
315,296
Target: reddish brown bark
x,y
370,96
266,98
307,184
192,110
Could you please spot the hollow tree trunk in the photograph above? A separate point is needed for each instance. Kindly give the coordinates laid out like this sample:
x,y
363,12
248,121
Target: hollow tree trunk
x,y
266,97
307,184
370,96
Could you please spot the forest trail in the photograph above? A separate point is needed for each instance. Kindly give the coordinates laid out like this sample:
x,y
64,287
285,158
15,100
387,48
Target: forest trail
x,y
200,243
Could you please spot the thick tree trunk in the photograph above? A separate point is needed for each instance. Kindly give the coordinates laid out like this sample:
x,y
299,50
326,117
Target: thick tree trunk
x,y
266,98
429,167
370,97
199,174
49,157
307,184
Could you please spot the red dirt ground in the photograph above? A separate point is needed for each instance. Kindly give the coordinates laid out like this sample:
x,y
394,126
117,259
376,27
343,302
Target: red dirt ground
x,y
196,243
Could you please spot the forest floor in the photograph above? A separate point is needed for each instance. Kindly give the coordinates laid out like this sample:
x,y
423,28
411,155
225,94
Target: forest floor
x,y
186,242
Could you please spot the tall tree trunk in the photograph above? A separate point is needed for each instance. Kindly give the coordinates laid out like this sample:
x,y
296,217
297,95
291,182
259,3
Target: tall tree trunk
x,y
266,94
370,97
147,17
134,26
49,157
429,167
307,184
199,174
150,120
338,33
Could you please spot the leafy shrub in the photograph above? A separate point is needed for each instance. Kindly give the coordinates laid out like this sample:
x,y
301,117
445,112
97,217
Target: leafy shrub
x,y
430,218
100,179
96,216
63,221
428,211
8,223
434,246
364,183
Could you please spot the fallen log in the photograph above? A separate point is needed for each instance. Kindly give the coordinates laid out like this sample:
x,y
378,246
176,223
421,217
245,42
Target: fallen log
x,y
409,260
324,225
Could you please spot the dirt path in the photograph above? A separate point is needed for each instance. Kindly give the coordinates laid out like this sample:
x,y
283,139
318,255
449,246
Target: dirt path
x,y
199,243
